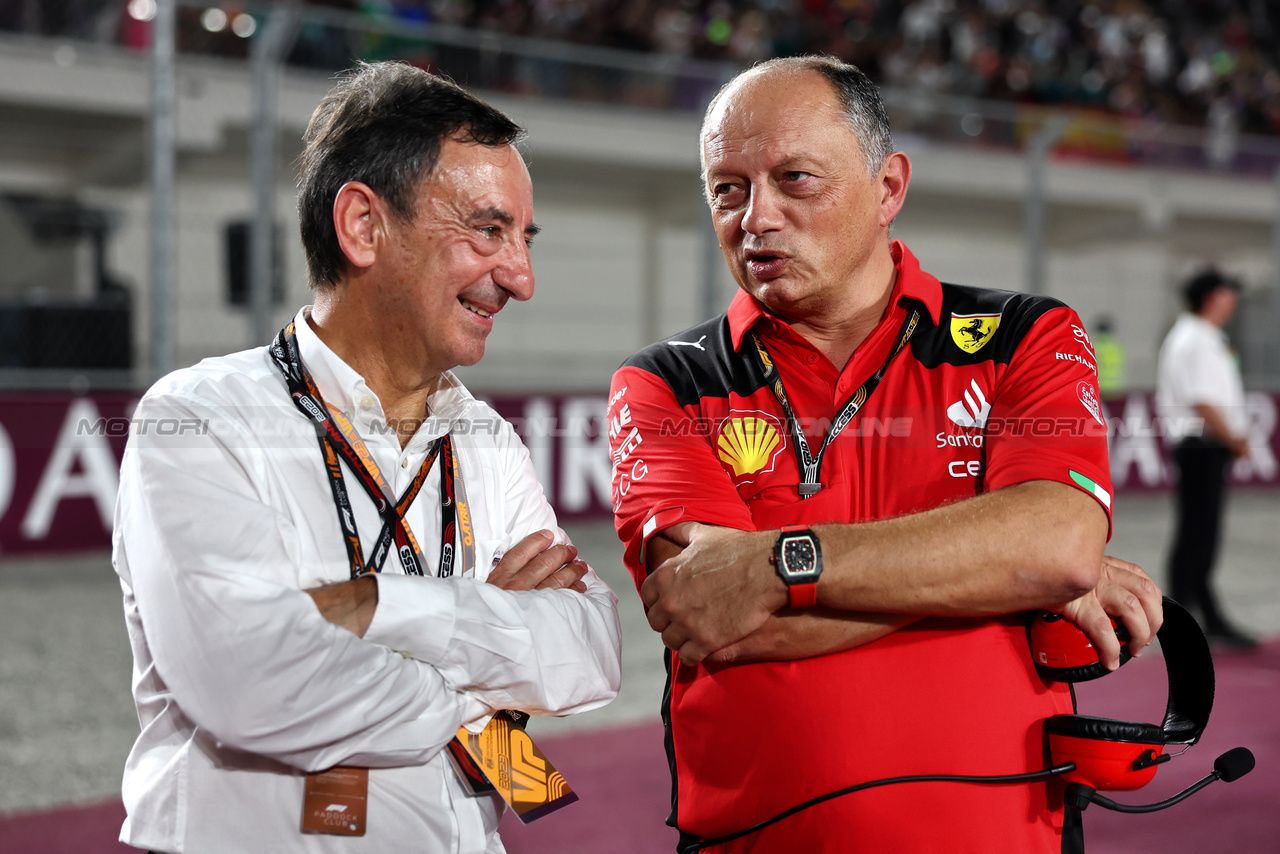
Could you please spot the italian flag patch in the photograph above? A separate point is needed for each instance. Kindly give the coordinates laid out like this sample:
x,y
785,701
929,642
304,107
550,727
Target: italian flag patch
x,y
1089,486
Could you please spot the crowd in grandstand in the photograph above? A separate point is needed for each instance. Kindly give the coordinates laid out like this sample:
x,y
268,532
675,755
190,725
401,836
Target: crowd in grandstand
x,y
1183,61
1213,62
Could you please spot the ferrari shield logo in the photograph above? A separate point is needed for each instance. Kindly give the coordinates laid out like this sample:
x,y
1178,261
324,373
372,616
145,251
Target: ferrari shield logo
x,y
971,332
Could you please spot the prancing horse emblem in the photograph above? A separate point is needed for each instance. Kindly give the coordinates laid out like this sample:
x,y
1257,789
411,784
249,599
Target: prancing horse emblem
x,y
971,332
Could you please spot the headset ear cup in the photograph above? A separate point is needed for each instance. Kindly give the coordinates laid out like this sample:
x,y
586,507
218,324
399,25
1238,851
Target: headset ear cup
x,y
1104,750
1063,653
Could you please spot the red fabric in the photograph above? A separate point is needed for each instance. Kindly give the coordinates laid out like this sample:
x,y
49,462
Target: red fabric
x,y
954,696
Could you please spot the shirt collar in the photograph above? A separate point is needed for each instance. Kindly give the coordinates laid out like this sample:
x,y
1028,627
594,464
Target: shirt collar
x,y
911,283
339,383
343,387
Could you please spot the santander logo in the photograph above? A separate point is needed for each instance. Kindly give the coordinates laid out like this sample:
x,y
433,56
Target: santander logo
x,y
973,410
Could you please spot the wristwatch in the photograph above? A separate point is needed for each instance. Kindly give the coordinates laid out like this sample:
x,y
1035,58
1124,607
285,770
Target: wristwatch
x,y
797,554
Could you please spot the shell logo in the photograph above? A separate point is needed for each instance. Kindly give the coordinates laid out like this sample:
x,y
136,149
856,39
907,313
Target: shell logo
x,y
748,444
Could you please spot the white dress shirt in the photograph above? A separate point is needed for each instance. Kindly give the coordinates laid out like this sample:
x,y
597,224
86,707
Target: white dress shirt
x,y
225,516
1197,366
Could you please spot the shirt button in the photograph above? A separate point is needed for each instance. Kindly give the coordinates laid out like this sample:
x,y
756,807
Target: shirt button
x,y
811,358
404,464
366,402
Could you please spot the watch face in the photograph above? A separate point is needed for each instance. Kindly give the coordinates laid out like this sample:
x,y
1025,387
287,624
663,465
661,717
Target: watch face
x,y
798,557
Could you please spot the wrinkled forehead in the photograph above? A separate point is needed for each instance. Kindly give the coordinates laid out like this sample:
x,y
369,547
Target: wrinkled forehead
x,y
481,172
782,113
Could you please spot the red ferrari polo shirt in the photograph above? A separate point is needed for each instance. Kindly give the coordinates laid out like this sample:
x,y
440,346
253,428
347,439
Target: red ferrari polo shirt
x,y
993,388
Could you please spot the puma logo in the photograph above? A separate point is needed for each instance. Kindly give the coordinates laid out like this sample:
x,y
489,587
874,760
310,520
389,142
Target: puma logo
x,y
696,344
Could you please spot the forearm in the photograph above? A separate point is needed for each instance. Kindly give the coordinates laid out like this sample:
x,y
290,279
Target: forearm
x,y
1029,546
789,634
793,634
1032,545
540,651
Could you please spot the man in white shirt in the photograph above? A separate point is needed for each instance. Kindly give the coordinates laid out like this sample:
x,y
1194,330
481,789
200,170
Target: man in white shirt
x,y
262,492
1200,394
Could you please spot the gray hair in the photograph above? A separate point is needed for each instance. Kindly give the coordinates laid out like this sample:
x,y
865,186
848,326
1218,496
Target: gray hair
x,y
863,107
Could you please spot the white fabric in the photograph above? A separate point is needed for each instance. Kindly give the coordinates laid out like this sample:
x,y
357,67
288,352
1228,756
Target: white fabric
x,y
1197,366
225,516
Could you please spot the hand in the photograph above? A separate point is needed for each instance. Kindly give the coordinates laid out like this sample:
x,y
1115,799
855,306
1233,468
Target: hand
x,y
715,592
536,563
1129,595
348,604
1238,446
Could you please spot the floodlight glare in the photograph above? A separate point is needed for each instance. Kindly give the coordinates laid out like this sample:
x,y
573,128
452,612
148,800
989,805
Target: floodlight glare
x,y
243,25
214,20
142,10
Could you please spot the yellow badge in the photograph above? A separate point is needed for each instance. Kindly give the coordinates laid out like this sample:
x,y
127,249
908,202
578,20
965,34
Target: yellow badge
x,y
521,773
748,444
971,332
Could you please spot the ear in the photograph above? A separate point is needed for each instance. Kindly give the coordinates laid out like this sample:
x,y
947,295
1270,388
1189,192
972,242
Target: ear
x,y
358,218
895,175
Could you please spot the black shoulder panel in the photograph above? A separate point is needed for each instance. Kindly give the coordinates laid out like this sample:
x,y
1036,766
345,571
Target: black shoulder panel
x,y
936,345
700,362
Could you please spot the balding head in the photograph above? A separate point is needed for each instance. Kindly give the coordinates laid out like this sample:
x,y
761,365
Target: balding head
x,y
801,211
853,94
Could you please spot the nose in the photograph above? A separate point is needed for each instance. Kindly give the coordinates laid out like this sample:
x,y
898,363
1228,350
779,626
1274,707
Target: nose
x,y
514,273
764,213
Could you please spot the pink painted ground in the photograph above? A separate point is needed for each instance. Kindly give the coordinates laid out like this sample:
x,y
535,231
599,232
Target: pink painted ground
x,y
621,777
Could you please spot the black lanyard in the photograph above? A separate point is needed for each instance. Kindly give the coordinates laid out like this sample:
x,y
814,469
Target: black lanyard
x,y
810,465
336,446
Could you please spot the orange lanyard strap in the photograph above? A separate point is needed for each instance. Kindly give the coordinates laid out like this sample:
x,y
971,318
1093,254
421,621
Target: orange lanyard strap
x,y
340,442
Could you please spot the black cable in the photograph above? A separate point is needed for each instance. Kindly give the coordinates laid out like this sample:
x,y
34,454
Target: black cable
x,y
888,781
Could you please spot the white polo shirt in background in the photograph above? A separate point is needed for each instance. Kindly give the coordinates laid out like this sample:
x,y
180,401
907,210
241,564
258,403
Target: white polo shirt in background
x,y
1198,366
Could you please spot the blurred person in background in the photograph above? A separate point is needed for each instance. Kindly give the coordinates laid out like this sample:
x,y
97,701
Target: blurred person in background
x,y
835,517
294,607
1200,394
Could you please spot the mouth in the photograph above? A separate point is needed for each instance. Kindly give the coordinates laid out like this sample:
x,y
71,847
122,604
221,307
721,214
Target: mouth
x,y
478,310
764,264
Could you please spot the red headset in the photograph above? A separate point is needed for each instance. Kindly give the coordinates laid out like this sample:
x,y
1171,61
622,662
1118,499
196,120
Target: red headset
x,y
1122,755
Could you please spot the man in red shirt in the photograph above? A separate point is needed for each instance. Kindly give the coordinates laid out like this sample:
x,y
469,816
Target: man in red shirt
x,y
840,499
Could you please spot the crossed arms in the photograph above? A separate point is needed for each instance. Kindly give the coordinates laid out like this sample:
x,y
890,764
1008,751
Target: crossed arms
x,y
213,567
712,593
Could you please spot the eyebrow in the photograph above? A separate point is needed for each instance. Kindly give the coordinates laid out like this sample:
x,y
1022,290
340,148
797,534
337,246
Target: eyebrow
x,y
786,163
494,213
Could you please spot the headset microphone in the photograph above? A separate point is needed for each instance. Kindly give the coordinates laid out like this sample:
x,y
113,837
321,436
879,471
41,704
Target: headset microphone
x,y
1228,767
1233,764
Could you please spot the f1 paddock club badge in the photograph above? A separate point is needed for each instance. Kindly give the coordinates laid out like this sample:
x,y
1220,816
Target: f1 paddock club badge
x,y
749,443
